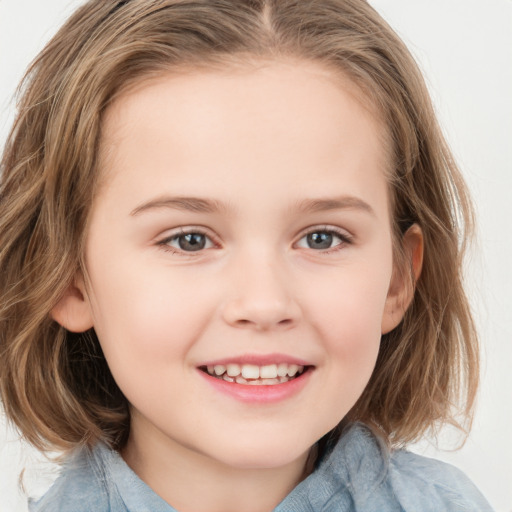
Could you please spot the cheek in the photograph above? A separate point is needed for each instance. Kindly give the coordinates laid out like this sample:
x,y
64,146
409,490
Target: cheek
x,y
143,319
352,338
352,300
347,316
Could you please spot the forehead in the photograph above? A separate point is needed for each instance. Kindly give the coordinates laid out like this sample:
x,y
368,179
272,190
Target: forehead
x,y
277,115
248,76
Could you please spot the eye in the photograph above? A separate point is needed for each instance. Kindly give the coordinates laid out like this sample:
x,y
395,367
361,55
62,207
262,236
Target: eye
x,y
192,241
323,239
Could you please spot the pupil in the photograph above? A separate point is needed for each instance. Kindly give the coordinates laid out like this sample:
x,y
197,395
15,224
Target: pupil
x,y
192,242
320,240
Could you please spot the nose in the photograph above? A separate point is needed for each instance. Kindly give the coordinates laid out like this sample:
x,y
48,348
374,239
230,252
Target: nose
x,y
262,296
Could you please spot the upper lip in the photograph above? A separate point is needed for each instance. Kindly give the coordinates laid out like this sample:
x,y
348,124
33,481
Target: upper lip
x,y
257,360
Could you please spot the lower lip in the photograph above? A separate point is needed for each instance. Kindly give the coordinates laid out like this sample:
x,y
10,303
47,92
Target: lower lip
x,y
259,394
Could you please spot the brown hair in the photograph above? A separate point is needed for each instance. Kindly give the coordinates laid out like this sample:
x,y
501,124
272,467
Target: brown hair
x,y
55,385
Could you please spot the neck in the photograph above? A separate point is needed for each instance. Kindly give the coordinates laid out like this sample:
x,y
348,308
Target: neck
x,y
190,481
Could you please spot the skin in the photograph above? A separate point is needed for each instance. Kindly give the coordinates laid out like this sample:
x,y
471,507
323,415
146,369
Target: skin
x,y
279,151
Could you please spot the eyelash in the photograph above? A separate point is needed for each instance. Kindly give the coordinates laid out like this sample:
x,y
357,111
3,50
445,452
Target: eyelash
x,y
164,243
344,237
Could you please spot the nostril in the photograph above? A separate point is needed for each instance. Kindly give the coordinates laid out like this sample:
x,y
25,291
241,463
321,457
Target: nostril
x,y
264,324
261,314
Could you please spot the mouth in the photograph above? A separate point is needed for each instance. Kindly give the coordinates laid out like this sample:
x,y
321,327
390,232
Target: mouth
x,y
254,375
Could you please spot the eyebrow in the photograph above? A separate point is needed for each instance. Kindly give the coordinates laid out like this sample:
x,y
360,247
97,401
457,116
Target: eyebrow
x,y
200,205
336,203
191,204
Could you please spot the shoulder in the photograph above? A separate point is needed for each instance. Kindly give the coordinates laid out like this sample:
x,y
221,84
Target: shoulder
x,y
415,483
360,473
414,478
82,486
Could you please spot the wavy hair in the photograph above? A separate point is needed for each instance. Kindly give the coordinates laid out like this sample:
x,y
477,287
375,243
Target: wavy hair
x,y
55,385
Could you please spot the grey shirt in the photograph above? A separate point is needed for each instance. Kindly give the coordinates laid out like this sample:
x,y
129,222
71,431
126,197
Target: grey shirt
x,y
358,475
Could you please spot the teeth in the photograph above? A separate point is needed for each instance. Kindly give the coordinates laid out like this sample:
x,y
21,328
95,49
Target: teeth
x,y
233,370
250,371
268,372
282,370
255,375
219,369
263,382
292,370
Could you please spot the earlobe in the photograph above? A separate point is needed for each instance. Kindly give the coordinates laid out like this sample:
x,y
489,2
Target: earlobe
x,y
73,311
403,282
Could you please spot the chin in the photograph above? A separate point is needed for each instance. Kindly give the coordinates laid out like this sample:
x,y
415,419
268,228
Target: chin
x,y
255,455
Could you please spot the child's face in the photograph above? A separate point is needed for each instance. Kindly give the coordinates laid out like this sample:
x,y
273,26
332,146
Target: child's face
x,y
244,220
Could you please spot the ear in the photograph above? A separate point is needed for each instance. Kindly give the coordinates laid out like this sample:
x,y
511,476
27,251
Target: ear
x,y
73,311
403,281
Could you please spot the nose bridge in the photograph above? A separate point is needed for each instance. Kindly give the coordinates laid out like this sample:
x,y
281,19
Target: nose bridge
x,y
261,293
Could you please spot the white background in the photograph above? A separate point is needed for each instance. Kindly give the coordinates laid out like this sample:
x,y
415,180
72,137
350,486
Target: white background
x,y
465,50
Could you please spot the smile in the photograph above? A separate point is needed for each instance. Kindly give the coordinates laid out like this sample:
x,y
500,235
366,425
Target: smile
x,y
254,375
258,379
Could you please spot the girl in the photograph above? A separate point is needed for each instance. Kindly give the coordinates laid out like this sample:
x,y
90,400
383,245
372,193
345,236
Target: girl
x,y
230,240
